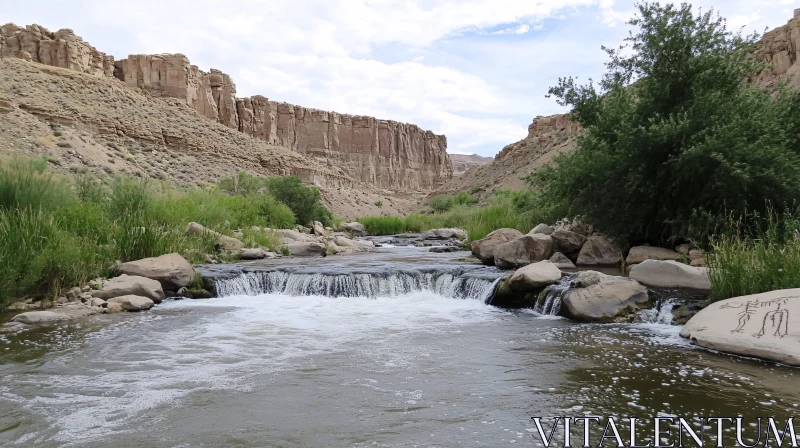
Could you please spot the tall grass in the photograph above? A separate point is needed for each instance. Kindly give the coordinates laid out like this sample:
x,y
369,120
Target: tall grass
x,y
58,232
751,258
500,211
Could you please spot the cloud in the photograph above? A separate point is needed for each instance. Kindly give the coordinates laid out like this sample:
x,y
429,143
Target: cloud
x,y
436,63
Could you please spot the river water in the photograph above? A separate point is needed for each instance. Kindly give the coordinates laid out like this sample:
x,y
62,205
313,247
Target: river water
x,y
418,368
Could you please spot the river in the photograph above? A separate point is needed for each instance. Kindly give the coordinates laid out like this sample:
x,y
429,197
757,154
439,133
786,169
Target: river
x,y
425,368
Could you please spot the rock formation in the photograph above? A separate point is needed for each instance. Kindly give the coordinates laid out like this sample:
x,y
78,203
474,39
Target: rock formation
x,y
780,49
382,153
463,162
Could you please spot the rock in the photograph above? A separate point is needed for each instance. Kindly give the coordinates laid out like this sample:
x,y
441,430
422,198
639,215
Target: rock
x,y
39,317
755,325
542,228
306,249
683,249
599,251
575,226
695,254
698,262
125,285
445,234
224,242
561,261
444,249
114,307
484,248
97,302
355,228
362,246
73,294
597,297
671,274
183,292
293,236
61,301
535,276
318,228
171,270
638,254
566,241
17,306
132,302
253,254
523,251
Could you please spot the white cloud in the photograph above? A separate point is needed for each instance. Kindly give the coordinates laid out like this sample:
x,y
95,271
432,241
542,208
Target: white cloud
x,y
430,62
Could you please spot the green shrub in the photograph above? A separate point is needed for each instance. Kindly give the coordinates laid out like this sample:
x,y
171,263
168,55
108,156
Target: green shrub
x,y
673,138
27,184
383,225
304,201
445,202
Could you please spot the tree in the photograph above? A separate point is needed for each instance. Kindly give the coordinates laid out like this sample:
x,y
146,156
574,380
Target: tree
x,y
304,201
674,137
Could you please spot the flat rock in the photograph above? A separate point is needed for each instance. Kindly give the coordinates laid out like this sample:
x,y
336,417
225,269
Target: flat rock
x,y
358,245
171,270
755,325
306,249
523,251
561,261
445,234
40,317
483,249
639,254
535,276
599,251
597,297
253,254
224,242
671,274
444,249
131,285
132,302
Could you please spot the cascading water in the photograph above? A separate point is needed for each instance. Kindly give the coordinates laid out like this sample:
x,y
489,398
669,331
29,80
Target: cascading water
x,y
661,313
551,305
372,285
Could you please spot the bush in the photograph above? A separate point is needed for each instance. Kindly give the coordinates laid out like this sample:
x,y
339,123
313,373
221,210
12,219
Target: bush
x,y
304,201
446,202
673,139
757,256
383,225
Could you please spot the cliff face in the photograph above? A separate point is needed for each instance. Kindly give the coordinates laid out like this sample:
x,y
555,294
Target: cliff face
x,y
780,49
463,162
383,153
547,137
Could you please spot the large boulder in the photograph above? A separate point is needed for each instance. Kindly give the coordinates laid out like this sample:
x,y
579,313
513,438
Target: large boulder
x,y
306,249
171,270
40,317
567,242
639,254
255,253
534,276
671,274
542,228
355,228
561,261
483,249
132,302
293,236
356,245
131,285
224,243
523,251
599,251
318,228
597,297
445,234
755,325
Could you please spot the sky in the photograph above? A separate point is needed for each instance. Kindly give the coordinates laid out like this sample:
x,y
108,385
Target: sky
x,y
474,70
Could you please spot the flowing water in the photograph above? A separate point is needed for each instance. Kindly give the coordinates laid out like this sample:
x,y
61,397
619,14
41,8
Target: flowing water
x,y
367,352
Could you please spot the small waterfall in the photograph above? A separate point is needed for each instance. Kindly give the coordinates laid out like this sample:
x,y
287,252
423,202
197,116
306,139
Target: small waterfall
x,y
551,305
448,284
661,313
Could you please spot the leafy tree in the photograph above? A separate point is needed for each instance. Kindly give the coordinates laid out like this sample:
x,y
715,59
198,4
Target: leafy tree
x,y
674,137
304,201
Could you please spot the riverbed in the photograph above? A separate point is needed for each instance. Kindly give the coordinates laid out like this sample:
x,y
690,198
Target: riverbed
x,y
407,368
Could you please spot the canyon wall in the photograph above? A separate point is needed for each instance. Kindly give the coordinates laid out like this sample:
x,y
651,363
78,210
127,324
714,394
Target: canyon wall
x,y
383,153
780,50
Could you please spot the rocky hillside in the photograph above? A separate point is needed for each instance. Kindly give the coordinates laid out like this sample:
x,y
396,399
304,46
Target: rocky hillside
x,y
780,48
547,136
463,162
382,153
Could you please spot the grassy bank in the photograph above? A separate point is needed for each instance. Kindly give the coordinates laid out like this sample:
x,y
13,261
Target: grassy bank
x,y
745,261
504,209
57,232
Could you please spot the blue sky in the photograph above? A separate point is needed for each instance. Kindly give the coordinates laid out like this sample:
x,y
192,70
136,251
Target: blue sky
x,y
475,70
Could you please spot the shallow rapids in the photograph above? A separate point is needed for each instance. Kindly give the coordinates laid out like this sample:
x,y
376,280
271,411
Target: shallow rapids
x,y
415,369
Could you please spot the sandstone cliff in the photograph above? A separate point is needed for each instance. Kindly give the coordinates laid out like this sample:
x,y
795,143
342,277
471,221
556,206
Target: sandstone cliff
x,y
382,153
547,137
780,49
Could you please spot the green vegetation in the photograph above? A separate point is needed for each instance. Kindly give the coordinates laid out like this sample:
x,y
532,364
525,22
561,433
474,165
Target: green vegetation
x,y
504,209
58,232
756,256
674,140
304,201
446,202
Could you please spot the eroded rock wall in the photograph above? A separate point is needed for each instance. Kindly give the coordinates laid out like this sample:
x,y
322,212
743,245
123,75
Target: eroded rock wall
x,y
780,49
